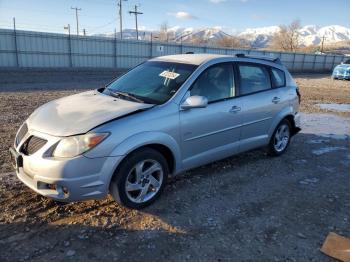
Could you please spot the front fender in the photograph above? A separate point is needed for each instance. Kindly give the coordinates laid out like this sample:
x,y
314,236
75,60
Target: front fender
x,y
146,138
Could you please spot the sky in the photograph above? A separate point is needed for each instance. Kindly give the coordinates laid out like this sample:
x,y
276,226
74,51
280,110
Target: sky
x,y
101,16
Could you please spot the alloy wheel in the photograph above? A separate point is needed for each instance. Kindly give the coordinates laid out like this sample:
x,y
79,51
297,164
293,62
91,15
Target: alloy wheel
x,y
281,138
144,181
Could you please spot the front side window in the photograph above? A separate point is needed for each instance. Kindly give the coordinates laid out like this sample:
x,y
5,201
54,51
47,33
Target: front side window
x,y
215,83
278,77
153,82
253,78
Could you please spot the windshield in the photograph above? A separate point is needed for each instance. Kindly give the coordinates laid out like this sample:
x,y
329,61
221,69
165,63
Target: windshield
x,y
153,82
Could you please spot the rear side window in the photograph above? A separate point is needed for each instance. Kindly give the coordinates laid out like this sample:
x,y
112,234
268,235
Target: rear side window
x,y
278,78
253,78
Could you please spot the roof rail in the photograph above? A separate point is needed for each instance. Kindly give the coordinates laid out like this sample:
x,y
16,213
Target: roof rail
x,y
266,58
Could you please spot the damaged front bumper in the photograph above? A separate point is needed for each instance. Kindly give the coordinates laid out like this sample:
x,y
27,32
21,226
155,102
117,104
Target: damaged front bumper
x,y
63,179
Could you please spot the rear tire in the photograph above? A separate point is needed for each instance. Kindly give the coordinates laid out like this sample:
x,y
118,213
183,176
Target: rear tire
x,y
140,178
280,139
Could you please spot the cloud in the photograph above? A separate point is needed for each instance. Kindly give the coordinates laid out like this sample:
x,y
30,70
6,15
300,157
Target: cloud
x,y
217,1
183,15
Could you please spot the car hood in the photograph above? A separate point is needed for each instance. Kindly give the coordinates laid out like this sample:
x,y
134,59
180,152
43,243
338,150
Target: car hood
x,y
80,113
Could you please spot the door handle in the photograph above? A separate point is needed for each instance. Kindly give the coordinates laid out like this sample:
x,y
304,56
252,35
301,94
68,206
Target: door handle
x,y
276,99
235,109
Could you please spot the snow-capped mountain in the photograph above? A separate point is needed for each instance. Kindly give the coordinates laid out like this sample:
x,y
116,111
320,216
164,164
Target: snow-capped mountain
x,y
334,33
257,37
174,34
205,34
309,35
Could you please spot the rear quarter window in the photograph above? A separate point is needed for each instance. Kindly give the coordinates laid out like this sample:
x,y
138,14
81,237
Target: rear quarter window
x,y
278,78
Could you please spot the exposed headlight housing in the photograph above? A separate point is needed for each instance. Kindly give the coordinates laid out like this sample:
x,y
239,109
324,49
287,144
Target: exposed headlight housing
x,y
76,145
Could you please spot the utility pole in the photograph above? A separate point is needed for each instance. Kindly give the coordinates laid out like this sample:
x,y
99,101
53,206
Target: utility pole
x,y
323,38
76,17
69,45
121,17
15,38
135,12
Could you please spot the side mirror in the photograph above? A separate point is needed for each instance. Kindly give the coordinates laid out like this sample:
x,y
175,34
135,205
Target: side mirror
x,y
194,102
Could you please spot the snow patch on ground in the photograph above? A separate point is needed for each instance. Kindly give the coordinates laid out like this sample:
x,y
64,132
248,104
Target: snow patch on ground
x,y
317,141
326,125
336,107
325,150
301,161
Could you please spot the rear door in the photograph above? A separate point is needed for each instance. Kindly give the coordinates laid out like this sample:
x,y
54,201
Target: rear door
x,y
260,104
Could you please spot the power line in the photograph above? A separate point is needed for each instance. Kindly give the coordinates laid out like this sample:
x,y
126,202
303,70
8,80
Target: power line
x,y
101,26
136,13
121,17
76,17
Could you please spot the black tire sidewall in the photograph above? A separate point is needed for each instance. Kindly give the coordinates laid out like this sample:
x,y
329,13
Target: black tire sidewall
x,y
117,186
272,149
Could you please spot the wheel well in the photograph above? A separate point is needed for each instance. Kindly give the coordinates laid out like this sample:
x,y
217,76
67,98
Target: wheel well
x,y
164,150
290,119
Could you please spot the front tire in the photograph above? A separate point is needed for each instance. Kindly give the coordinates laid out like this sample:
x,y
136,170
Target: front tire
x,y
280,139
140,178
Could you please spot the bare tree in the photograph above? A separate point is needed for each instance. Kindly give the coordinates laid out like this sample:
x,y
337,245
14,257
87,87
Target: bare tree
x,y
232,41
287,38
163,32
197,40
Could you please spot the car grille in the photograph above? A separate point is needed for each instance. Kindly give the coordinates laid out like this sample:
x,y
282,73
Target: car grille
x,y
21,133
32,145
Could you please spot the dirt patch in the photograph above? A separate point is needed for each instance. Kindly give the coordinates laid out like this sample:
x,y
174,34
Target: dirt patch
x,y
321,89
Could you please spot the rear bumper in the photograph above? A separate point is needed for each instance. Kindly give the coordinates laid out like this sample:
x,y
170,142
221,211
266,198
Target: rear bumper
x,y
297,124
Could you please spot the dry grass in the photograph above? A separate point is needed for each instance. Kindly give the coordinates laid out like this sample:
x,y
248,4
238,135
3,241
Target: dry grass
x,y
322,89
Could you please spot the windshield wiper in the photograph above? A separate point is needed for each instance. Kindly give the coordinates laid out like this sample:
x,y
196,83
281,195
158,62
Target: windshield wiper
x,y
125,94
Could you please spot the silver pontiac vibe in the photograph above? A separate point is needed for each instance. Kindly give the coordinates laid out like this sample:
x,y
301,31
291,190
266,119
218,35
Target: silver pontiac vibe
x,y
163,117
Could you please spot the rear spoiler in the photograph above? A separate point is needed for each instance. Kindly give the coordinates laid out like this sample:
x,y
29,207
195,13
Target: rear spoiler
x,y
266,58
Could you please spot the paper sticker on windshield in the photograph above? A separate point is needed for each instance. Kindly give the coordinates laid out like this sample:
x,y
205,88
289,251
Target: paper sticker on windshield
x,y
168,74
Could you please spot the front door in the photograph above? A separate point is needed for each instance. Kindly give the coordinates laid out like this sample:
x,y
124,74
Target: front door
x,y
213,132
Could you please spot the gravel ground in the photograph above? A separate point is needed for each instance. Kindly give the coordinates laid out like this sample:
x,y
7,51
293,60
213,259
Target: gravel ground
x,y
318,89
249,207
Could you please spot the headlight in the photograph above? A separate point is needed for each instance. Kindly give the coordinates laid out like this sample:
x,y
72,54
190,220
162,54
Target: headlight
x,y
77,145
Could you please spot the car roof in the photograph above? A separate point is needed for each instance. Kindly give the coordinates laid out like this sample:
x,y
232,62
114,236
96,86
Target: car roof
x,y
198,59
194,59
